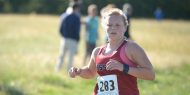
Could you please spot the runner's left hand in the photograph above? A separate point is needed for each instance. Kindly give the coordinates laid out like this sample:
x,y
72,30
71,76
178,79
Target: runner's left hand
x,y
114,65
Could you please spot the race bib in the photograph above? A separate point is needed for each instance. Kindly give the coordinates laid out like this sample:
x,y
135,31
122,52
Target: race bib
x,y
107,85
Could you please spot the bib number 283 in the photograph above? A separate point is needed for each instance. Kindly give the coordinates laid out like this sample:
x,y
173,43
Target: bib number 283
x,y
107,85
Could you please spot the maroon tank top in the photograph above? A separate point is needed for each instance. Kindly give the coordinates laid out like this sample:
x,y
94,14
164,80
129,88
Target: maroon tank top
x,y
127,84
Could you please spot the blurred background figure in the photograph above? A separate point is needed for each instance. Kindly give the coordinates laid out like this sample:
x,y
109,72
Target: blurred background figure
x,y
158,13
91,24
79,2
70,35
127,10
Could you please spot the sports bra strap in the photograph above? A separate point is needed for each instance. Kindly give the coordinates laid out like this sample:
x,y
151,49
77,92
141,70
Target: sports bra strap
x,y
124,56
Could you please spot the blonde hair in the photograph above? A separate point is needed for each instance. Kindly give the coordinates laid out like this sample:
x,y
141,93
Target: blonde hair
x,y
117,12
107,7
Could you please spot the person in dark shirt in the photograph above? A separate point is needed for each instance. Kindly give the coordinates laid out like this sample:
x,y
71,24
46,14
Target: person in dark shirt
x,y
70,35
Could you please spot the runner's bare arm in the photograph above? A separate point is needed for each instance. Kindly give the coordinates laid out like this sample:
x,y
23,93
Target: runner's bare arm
x,y
144,70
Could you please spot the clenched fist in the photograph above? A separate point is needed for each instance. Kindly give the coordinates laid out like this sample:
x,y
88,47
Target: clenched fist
x,y
73,72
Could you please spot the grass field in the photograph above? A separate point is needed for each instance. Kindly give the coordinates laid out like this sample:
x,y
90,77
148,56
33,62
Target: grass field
x,y
29,47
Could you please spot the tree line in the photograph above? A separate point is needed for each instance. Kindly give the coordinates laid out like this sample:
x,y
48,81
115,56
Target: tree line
x,y
173,9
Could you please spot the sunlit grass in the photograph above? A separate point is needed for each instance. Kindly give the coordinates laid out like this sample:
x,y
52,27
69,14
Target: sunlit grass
x,y
164,41
29,48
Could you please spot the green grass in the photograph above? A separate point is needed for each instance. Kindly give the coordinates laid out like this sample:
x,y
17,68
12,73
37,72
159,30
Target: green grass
x,y
29,47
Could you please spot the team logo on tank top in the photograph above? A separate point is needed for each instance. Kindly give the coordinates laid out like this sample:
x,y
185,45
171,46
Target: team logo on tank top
x,y
101,67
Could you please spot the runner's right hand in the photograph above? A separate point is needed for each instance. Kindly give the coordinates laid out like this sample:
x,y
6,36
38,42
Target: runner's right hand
x,y
73,72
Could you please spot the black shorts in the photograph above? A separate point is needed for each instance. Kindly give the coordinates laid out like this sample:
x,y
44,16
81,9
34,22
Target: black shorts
x,y
90,47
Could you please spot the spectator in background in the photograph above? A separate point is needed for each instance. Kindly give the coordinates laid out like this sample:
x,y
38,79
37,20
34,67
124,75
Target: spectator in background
x,y
158,14
92,24
79,2
70,34
127,9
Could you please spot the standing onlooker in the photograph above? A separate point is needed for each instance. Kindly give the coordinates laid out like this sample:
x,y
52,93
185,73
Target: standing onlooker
x,y
76,1
91,30
158,14
127,9
70,33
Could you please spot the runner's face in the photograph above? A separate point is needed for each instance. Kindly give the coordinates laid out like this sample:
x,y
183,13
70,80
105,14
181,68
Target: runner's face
x,y
115,27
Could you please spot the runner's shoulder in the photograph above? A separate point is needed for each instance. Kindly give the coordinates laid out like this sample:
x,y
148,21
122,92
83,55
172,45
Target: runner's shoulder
x,y
96,50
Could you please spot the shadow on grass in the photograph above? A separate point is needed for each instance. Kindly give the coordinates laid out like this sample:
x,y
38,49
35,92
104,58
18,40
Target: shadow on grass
x,y
55,80
10,90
